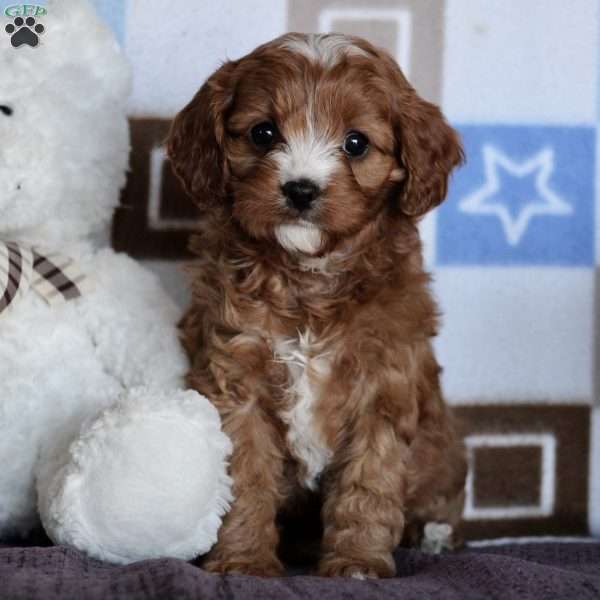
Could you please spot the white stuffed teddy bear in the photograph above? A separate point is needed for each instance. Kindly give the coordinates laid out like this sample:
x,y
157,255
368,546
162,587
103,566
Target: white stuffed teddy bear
x,y
98,440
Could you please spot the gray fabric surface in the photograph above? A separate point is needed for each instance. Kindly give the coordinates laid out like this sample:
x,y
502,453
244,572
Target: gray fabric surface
x,y
562,571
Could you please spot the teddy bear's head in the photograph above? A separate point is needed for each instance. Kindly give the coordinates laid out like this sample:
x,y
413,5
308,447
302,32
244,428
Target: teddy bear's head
x,y
64,139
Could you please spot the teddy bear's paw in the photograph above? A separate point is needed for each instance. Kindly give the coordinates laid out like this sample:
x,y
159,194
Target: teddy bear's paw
x,y
146,479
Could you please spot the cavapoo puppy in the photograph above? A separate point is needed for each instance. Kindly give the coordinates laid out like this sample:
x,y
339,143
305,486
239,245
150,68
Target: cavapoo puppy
x,y
312,159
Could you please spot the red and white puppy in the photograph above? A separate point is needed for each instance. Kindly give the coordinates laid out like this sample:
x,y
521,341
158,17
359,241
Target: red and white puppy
x,y
312,159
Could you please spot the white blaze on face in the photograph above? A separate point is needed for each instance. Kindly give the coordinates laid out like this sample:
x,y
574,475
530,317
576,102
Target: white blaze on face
x,y
308,155
312,156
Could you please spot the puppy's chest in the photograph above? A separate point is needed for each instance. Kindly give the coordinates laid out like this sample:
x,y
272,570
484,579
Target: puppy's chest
x,y
308,370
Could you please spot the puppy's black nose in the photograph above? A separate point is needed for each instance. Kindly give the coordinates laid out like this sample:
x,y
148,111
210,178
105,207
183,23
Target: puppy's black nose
x,y
300,194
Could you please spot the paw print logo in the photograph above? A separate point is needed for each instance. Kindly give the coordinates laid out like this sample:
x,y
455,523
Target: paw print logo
x,y
24,32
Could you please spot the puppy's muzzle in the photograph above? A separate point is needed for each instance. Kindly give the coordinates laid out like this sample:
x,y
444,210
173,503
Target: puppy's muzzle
x,y
301,194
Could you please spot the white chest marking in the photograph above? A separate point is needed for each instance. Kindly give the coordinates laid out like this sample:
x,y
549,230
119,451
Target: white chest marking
x,y
307,374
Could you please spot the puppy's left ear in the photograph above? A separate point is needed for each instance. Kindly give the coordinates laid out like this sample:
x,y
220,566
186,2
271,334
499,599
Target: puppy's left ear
x,y
427,148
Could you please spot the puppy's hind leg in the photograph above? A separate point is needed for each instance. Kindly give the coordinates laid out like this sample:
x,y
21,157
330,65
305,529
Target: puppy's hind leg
x,y
436,497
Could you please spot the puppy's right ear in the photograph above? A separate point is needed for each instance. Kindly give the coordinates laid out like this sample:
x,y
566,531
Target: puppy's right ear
x,y
195,141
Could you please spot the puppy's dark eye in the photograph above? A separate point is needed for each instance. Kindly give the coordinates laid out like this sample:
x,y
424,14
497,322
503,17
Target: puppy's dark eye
x,y
356,144
6,110
264,134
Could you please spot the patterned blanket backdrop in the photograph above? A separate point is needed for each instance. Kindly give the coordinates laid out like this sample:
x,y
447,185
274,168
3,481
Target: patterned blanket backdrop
x,y
513,250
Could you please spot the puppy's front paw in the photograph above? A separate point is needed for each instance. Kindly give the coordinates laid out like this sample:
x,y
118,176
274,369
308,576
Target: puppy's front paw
x,y
260,567
340,566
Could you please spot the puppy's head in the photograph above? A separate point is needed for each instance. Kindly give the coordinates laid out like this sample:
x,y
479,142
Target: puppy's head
x,y
309,137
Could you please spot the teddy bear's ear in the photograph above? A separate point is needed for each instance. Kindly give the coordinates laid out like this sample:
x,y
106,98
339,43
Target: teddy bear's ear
x,y
195,141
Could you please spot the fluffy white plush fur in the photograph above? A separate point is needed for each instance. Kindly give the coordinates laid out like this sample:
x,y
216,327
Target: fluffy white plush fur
x,y
121,471
161,453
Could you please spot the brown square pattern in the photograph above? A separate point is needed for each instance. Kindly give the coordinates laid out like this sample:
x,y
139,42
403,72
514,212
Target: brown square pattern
x,y
507,476
155,216
528,469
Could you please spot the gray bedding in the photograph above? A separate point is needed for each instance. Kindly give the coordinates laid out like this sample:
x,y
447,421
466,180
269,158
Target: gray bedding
x,y
537,571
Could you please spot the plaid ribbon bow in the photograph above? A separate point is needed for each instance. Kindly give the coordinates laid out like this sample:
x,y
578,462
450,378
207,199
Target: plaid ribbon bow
x,y
53,277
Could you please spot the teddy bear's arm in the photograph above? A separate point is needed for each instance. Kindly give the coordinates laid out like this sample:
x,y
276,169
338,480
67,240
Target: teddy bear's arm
x,y
133,324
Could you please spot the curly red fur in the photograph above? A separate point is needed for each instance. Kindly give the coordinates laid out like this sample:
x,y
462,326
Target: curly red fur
x,y
392,459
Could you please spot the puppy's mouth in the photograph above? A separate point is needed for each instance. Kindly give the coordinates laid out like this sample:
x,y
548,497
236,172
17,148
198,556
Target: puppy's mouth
x,y
300,236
